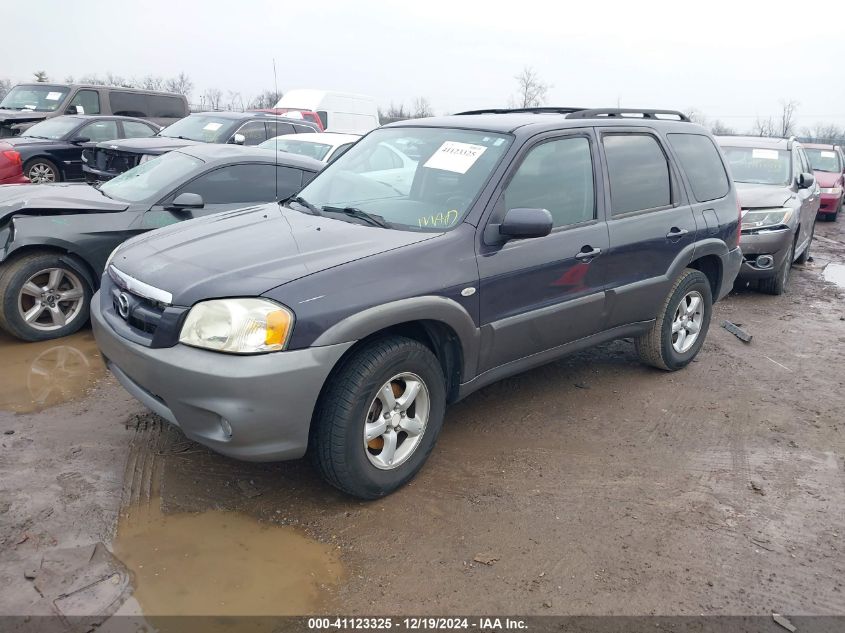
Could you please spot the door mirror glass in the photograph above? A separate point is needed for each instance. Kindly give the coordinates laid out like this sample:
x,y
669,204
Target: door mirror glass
x,y
187,201
239,139
525,223
806,180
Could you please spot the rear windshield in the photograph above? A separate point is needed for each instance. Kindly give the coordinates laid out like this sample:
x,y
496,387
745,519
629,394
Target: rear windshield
x,y
304,148
432,192
824,160
205,128
53,129
760,166
37,98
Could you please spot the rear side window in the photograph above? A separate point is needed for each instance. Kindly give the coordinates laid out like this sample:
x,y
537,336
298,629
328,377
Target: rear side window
x,y
556,176
638,173
702,164
165,107
128,103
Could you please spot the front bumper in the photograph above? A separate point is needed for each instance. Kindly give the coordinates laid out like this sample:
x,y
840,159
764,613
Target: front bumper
x,y
97,175
266,399
774,243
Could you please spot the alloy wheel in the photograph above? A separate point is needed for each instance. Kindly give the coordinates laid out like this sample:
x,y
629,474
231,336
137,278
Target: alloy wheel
x,y
41,173
686,324
51,299
396,421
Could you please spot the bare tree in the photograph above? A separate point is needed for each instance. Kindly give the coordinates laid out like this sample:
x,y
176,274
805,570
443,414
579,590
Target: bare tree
x,y
786,125
825,131
117,80
69,79
421,108
393,113
763,127
234,101
41,76
696,116
265,99
5,87
532,91
151,82
211,98
94,80
181,84
720,129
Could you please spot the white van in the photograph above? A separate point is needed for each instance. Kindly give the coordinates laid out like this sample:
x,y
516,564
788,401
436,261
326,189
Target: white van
x,y
339,112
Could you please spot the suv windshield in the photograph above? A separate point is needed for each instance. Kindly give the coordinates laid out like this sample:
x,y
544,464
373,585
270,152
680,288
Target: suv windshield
x,y
317,151
53,129
824,160
432,193
38,98
151,178
205,128
761,166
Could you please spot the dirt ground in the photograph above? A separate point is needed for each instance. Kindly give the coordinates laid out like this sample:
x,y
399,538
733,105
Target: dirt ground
x,y
593,485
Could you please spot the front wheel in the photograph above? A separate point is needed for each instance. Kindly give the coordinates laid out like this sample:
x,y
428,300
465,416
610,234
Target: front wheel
x,y
776,285
378,417
681,326
42,296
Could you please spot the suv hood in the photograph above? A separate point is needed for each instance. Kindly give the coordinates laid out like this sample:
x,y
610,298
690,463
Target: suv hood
x,y
249,251
149,145
761,196
20,116
55,198
827,179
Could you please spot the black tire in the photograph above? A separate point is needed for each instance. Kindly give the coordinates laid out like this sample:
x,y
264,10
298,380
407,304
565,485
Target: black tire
x,y
15,273
777,283
655,348
44,165
336,443
803,257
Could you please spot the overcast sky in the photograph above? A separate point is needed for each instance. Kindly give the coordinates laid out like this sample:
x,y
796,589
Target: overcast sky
x,y
731,60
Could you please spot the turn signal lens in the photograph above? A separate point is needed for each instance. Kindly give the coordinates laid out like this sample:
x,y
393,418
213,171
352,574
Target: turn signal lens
x,y
278,326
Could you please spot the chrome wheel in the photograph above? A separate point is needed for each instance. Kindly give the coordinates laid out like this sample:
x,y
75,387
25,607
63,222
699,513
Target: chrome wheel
x,y
51,299
396,421
686,325
41,173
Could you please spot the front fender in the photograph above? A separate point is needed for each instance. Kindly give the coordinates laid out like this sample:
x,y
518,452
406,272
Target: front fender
x,y
428,308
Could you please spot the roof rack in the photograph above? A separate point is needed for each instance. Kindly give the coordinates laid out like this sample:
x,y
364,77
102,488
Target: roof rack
x,y
632,113
537,110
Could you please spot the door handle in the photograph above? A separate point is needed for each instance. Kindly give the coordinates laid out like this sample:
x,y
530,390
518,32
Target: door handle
x,y
584,254
676,232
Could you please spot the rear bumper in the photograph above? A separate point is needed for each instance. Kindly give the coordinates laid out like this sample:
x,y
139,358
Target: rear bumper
x,y
775,243
255,408
829,203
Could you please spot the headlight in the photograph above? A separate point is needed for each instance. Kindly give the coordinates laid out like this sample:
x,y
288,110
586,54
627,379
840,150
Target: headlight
x,y
238,326
765,218
834,190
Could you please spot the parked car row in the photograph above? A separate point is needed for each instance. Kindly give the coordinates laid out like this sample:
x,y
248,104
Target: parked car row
x,y
332,293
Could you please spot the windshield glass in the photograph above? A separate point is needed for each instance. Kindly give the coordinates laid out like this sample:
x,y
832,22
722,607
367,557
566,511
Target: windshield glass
x,y
761,166
304,148
432,193
38,98
53,129
205,128
154,177
824,160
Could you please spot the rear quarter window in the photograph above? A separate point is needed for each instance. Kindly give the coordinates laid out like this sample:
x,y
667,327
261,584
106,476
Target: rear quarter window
x,y
700,160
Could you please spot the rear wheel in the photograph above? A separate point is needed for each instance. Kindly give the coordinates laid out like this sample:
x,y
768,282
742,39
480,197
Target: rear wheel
x,y
42,296
41,171
378,417
776,284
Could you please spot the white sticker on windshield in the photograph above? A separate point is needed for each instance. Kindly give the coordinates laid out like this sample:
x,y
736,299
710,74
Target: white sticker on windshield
x,y
455,156
768,154
53,96
213,127
828,154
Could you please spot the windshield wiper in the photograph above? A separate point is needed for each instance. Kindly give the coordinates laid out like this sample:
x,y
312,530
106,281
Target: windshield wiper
x,y
302,202
34,136
358,214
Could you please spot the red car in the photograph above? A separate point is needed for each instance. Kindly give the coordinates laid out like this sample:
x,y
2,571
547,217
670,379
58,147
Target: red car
x,y
828,163
295,113
11,167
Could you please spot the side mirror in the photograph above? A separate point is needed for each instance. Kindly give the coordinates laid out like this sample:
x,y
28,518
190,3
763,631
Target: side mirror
x,y
526,223
76,140
805,181
187,201
238,139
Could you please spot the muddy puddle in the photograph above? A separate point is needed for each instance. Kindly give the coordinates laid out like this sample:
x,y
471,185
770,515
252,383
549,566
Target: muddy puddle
x,y
219,563
36,376
835,273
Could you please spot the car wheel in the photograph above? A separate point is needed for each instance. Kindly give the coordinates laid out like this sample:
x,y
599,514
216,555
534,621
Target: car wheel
x,y
804,256
681,325
776,284
42,296
41,171
378,417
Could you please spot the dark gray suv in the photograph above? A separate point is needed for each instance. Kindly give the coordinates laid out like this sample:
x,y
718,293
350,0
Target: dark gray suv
x,y
344,320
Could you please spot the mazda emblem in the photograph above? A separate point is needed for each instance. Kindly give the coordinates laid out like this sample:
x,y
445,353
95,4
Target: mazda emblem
x,y
123,305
